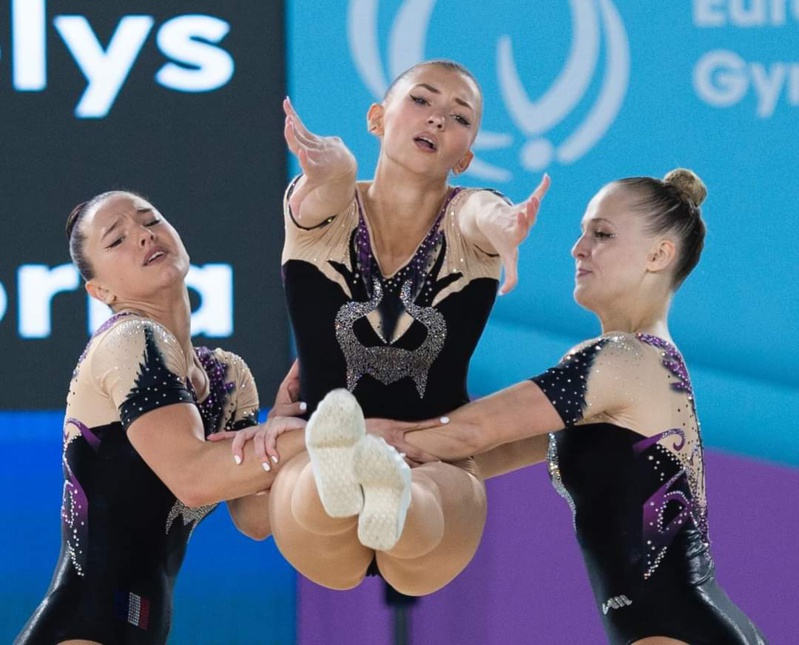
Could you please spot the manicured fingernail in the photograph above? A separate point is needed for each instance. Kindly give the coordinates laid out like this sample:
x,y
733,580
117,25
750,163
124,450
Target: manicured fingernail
x,y
303,406
237,459
444,419
274,459
266,466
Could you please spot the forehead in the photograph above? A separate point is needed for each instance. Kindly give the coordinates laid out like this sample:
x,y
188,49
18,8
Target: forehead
x,y
443,79
117,205
611,203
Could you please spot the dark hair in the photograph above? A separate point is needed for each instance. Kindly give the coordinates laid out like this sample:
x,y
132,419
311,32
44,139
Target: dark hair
x,y
77,239
447,64
672,204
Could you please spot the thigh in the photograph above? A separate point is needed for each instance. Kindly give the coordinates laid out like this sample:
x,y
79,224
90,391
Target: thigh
x,y
449,494
336,561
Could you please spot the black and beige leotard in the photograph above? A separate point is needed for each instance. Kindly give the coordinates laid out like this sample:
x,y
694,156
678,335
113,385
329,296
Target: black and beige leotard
x,y
630,464
124,534
400,343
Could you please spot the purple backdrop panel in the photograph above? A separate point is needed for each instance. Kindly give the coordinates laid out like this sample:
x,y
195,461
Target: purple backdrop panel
x,y
527,583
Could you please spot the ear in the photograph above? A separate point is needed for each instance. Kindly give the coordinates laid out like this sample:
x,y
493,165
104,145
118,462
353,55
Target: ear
x,y
662,256
463,163
374,119
100,293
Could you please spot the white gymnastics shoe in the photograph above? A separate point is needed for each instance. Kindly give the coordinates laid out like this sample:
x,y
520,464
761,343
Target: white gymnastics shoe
x,y
386,482
331,435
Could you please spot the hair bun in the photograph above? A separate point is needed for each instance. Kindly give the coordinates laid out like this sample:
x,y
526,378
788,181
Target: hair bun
x,y
688,183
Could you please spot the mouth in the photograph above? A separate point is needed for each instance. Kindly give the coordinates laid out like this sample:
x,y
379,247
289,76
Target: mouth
x,y
426,143
154,256
581,273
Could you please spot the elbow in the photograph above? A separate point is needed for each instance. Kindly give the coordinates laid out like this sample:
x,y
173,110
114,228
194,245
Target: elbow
x,y
475,439
250,519
193,492
257,531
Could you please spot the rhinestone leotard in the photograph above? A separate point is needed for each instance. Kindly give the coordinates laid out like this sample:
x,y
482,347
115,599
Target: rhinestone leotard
x,y
124,534
630,464
401,343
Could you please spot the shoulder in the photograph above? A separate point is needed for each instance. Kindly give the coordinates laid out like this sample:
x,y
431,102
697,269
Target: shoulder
x,y
615,344
229,360
230,373
133,340
134,332
476,198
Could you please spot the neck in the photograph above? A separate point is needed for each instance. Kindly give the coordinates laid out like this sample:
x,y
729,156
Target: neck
x,y
172,310
398,198
652,319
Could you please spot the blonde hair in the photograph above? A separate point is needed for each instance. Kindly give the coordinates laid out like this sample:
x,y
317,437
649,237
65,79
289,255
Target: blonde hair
x,y
672,205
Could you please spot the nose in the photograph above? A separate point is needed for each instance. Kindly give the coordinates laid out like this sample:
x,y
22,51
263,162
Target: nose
x,y
437,121
145,234
579,249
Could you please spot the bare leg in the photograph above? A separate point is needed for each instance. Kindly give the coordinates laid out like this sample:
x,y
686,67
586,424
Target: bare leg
x,y
442,531
324,549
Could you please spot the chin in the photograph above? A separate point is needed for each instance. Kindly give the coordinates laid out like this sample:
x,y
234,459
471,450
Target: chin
x,y
583,299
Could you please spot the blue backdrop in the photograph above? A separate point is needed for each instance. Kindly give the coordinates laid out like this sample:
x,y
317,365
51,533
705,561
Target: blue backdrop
x,y
590,91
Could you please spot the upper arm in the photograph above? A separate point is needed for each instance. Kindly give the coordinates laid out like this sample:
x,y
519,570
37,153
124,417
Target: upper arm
x,y
593,380
168,439
306,207
478,204
139,365
585,384
313,240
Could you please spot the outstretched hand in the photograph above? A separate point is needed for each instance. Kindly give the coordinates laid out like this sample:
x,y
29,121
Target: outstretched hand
x,y
508,226
322,159
394,434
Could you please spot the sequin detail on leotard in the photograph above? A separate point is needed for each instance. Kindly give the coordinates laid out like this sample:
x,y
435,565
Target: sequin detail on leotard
x,y
684,453
386,363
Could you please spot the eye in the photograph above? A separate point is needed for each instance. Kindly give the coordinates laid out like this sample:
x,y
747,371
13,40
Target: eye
x,y
602,235
116,242
462,120
154,222
419,100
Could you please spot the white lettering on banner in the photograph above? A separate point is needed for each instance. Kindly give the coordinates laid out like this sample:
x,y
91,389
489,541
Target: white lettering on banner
x,y
107,70
214,284
3,302
189,41
209,68
744,13
29,37
722,78
37,284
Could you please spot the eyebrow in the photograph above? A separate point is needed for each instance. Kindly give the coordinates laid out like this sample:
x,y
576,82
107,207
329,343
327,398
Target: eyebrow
x,y
435,90
111,228
594,220
139,211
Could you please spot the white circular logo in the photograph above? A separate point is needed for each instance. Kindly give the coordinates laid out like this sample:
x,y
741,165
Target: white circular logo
x,y
533,119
